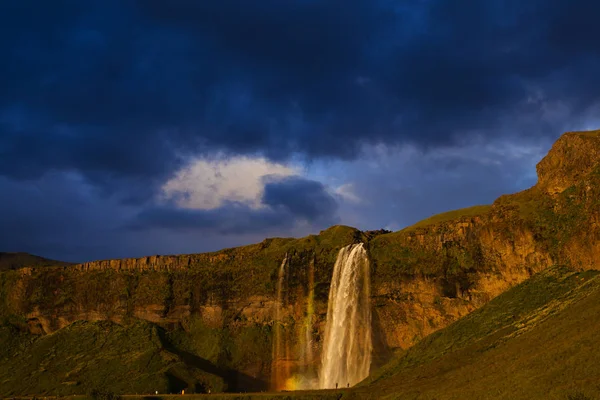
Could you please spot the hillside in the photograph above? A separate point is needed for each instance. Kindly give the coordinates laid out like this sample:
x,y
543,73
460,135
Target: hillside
x,y
221,306
536,341
97,355
11,261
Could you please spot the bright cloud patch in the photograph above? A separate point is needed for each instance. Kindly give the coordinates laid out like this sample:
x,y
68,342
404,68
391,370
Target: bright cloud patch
x,y
346,192
210,183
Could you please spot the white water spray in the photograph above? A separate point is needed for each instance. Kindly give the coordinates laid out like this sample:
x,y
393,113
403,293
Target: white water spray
x,y
347,346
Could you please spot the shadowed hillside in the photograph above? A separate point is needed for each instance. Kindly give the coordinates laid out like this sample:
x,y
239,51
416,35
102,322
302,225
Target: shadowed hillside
x,y
135,358
11,261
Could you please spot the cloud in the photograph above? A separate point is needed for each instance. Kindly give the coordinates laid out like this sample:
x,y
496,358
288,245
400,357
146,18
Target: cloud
x,y
210,183
346,192
409,107
126,92
228,219
287,202
303,198
61,217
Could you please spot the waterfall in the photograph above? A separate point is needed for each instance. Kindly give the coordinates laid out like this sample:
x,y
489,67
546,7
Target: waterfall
x,y
279,372
305,374
346,356
310,312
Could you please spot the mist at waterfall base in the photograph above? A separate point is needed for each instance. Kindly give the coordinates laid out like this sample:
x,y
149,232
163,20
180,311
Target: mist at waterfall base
x,y
347,345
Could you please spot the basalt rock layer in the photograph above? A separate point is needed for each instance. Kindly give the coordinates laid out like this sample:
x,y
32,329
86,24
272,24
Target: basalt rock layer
x,y
220,306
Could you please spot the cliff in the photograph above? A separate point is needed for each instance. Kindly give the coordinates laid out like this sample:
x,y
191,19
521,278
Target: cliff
x,y
221,306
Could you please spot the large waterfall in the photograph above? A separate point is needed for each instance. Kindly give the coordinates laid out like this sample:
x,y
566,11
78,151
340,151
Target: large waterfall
x,y
347,346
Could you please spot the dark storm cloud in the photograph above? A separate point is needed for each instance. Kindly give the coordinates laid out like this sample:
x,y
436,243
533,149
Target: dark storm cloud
x,y
303,198
229,219
122,94
287,201
57,216
122,89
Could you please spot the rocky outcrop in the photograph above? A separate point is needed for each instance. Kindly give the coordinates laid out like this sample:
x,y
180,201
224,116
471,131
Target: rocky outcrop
x,y
423,277
574,156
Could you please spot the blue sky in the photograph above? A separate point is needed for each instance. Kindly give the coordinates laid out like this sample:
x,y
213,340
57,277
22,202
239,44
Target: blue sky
x,y
130,128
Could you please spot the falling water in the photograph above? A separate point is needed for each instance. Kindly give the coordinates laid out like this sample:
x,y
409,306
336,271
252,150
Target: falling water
x,y
347,346
305,376
279,374
310,311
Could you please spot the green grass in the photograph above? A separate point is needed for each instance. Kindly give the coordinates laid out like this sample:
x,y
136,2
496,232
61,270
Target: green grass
x,y
449,216
535,341
95,355
501,312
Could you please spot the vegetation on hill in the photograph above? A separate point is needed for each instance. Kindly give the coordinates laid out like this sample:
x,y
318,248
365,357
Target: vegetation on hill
x,y
11,261
449,216
87,356
535,341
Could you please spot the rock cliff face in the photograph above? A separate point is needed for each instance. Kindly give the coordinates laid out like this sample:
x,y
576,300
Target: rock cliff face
x,y
221,306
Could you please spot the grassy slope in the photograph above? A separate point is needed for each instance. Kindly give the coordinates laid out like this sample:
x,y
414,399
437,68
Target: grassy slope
x,y
94,355
10,261
537,340
449,216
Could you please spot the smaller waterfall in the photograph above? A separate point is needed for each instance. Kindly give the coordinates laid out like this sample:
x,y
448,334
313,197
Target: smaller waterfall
x,y
347,347
310,312
304,376
280,351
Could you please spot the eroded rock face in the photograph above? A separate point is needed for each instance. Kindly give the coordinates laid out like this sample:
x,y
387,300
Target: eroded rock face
x,y
423,278
470,262
572,157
